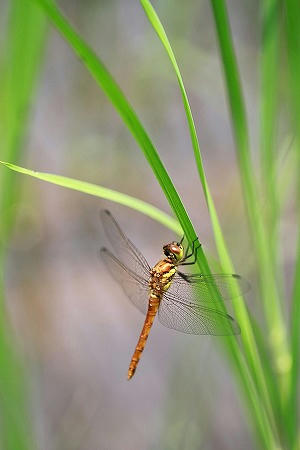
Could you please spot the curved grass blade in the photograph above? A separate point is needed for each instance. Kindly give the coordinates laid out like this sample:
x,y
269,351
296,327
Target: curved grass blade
x,y
118,99
226,263
127,113
269,62
268,285
24,41
260,239
102,192
292,24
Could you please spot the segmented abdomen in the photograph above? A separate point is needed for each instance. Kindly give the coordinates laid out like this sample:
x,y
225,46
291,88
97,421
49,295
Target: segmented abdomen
x,y
151,313
161,278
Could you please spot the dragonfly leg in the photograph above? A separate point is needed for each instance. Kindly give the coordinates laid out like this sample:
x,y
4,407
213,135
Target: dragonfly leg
x,y
194,253
186,253
184,276
193,249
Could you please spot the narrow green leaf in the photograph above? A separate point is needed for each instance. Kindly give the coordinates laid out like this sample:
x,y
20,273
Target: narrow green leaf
x,y
226,263
292,26
155,22
130,118
102,192
292,413
268,117
25,41
23,47
268,286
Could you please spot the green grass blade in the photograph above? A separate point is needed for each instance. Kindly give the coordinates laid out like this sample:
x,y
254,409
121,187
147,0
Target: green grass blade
x,y
292,24
127,113
226,263
292,413
269,62
24,43
268,287
155,22
102,192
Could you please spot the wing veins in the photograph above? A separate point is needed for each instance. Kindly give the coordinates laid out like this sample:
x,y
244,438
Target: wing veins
x,y
110,225
134,275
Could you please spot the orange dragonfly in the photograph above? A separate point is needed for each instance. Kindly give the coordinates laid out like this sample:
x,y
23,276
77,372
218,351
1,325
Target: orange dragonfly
x,y
182,301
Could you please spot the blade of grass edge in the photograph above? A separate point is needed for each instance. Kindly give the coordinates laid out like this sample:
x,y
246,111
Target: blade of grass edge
x,y
269,62
102,192
270,166
272,306
118,99
226,263
23,46
292,24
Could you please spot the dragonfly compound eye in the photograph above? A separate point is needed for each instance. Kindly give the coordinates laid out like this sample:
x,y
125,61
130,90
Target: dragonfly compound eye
x,y
173,251
177,250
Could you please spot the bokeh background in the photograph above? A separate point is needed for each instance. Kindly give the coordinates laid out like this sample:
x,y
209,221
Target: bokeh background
x,y
74,325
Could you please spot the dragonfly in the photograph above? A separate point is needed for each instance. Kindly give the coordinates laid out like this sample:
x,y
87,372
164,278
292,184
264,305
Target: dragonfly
x,y
184,302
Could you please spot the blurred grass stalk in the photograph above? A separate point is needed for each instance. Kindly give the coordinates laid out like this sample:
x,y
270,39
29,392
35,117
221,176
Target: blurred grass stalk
x,y
292,27
25,37
262,231
248,339
264,224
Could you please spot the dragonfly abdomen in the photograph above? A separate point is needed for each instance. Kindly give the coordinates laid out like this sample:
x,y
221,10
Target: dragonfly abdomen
x,y
154,302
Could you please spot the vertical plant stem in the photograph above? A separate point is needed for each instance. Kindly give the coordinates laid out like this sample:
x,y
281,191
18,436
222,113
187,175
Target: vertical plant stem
x,y
268,288
292,26
247,337
268,119
25,36
292,411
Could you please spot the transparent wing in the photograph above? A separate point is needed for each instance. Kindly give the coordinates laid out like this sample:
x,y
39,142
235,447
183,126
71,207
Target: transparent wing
x,y
189,305
193,318
124,249
135,287
199,286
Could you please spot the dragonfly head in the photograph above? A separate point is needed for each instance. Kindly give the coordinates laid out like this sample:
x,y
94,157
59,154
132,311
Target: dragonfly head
x,y
173,251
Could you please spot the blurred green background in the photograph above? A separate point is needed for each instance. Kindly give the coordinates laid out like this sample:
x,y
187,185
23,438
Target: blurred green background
x,y
74,329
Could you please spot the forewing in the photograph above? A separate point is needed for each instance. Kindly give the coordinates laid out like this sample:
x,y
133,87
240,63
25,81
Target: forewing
x,y
135,287
200,287
193,318
124,249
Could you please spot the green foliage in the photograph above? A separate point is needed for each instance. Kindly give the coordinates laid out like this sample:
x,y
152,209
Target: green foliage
x,y
105,193
25,37
292,23
265,361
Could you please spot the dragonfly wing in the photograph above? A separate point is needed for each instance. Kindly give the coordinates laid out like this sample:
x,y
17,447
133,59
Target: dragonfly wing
x,y
193,318
190,306
124,249
135,287
199,287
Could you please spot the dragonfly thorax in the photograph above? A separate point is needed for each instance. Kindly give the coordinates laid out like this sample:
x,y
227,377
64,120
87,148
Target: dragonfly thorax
x,y
161,277
174,252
